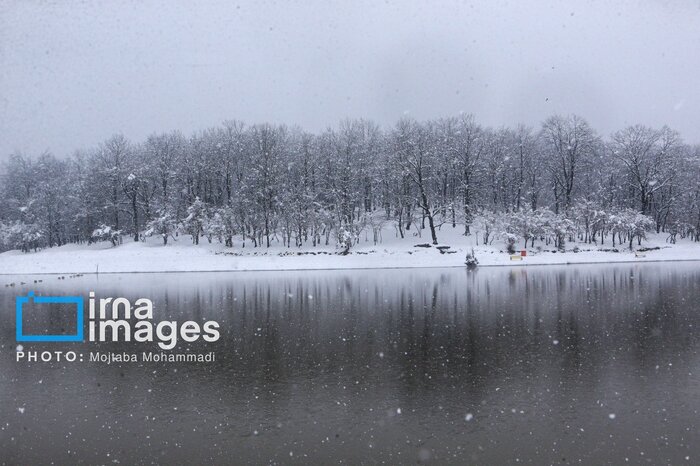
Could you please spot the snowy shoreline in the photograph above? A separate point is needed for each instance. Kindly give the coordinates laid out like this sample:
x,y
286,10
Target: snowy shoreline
x,y
183,257
403,267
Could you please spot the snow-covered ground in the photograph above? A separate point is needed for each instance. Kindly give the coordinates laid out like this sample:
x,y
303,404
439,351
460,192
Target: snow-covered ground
x,y
392,252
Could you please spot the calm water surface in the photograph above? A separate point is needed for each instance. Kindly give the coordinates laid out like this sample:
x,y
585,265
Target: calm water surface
x,y
544,365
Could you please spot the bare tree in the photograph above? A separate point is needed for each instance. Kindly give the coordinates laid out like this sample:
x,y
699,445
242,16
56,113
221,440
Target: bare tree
x,y
570,143
415,154
650,158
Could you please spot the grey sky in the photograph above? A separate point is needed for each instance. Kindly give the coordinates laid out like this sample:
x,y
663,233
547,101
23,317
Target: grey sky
x,y
74,73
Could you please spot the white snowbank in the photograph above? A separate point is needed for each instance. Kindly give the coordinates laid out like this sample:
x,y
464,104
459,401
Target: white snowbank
x,y
182,255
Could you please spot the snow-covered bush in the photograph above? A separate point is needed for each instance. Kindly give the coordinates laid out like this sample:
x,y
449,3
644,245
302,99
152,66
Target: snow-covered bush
x,y
106,233
628,224
525,223
562,228
164,225
509,239
346,239
471,261
682,229
20,235
636,225
221,225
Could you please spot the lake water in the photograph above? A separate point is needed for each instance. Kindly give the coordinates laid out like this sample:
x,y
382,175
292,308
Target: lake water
x,y
539,365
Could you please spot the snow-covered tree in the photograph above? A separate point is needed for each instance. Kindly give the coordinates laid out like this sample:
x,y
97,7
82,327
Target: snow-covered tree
x,y
571,146
20,235
267,183
197,216
106,233
650,159
163,224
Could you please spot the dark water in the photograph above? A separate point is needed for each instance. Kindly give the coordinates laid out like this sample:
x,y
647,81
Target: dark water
x,y
548,365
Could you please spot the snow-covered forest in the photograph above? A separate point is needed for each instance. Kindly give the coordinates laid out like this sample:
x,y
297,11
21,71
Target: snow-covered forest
x,y
264,184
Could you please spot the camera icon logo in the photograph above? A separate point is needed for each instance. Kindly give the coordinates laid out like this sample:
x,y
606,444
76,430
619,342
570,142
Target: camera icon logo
x,y
20,301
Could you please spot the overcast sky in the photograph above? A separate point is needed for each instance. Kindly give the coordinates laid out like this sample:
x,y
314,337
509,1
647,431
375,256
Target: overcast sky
x,y
74,73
